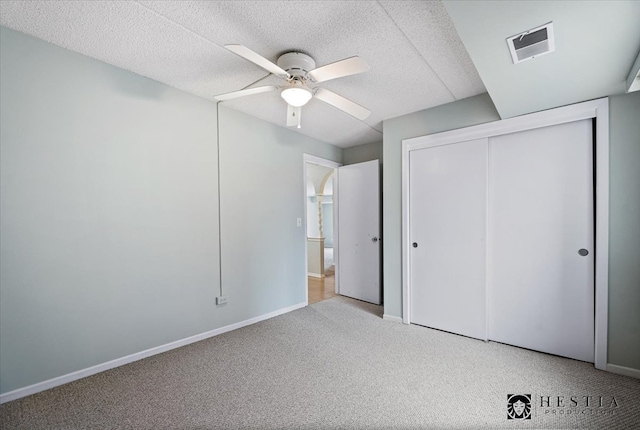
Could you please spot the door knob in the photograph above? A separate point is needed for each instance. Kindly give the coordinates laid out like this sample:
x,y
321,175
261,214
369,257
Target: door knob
x,y
374,239
415,245
583,252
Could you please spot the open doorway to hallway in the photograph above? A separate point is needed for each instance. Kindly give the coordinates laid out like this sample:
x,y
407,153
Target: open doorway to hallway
x,y
320,289
321,229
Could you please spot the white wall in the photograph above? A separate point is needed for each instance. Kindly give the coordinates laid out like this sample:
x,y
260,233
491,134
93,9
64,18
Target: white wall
x,y
327,221
313,223
313,227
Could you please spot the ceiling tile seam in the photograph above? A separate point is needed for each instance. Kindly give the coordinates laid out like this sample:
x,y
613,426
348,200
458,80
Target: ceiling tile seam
x,y
255,82
415,49
161,15
372,127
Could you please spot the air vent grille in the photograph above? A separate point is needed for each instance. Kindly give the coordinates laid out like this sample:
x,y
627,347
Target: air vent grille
x,y
531,43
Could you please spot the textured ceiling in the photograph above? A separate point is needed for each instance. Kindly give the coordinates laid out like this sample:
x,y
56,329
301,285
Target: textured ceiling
x,y
416,57
596,43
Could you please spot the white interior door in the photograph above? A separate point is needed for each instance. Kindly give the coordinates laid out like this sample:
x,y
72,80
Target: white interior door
x,y
448,207
541,287
359,231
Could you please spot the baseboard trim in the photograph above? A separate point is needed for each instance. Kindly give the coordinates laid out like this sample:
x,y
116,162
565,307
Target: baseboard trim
x,y
315,275
621,370
79,374
392,318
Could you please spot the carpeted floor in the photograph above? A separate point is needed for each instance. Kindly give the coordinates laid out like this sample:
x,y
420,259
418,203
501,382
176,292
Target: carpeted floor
x,y
335,364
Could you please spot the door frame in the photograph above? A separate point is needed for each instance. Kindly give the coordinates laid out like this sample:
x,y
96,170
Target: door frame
x,y
312,159
595,109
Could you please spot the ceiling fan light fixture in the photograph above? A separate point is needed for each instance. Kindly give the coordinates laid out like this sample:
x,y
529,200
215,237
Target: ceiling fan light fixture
x,y
298,69
296,94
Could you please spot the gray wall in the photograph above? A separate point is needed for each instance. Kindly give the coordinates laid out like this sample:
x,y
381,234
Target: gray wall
x,y
109,213
262,194
362,153
624,231
462,113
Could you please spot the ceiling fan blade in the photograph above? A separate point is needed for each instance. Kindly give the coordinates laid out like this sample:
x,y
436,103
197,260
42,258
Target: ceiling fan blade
x,y
346,67
293,116
247,92
258,59
343,104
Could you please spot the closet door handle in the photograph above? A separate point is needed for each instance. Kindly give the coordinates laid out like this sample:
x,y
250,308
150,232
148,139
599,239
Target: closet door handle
x,y
415,245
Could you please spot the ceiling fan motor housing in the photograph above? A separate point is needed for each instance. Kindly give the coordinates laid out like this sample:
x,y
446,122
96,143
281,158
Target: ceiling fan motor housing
x,y
296,64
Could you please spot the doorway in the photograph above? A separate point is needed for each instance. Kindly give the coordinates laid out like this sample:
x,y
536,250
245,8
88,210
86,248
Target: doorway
x,y
320,204
355,216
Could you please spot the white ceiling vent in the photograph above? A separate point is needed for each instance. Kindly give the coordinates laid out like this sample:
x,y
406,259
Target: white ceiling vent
x,y
531,43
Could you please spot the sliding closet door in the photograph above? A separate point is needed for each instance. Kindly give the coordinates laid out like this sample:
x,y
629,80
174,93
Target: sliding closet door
x,y
541,240
447,193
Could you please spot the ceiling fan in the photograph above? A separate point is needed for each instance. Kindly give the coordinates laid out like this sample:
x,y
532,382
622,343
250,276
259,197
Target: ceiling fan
x,y
300,73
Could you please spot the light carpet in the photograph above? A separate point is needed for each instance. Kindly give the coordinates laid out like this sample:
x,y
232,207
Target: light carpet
x,y
335,364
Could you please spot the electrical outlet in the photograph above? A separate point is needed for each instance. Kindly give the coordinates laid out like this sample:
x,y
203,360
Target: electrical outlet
x,y
221,300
